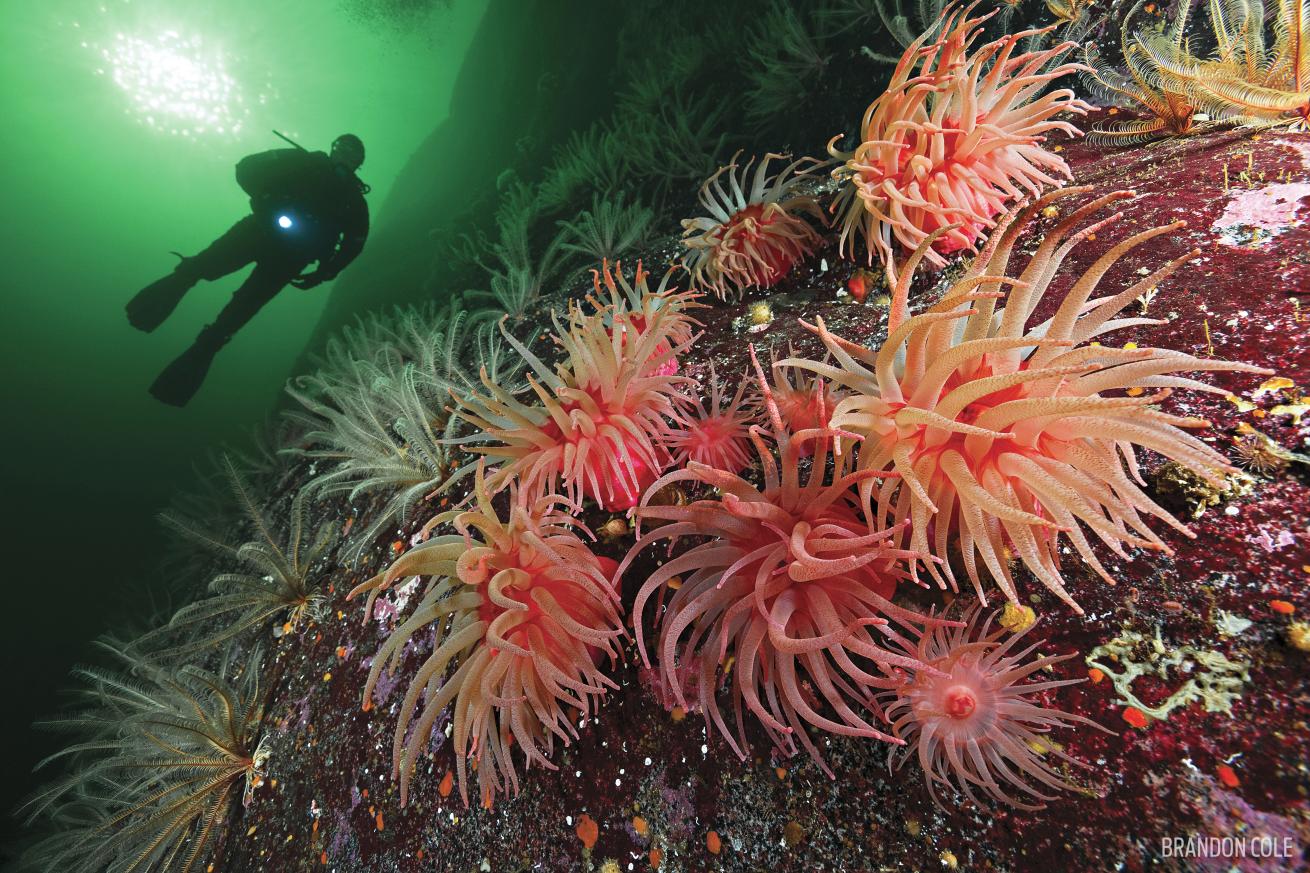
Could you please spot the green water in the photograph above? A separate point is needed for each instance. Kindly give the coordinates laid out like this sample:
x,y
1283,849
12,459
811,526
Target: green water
x,y
98,187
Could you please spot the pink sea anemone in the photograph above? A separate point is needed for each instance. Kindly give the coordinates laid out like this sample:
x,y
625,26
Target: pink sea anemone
x,y
790,592
526,612
755,231
1007,435
718,435
601,427
954,138
973,723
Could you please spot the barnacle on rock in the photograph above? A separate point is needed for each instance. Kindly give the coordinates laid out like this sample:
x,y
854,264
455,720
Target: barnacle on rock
x,y
1008,435
1184,489
524,611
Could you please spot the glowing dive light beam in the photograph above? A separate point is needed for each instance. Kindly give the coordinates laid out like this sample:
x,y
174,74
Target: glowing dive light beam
x,y
284,222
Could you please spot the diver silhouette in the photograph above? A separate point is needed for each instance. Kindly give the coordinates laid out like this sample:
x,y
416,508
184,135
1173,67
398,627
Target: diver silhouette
x,y
305,207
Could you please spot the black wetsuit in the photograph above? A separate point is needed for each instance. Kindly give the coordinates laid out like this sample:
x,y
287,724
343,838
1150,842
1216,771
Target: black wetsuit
x,y
304,208
328,219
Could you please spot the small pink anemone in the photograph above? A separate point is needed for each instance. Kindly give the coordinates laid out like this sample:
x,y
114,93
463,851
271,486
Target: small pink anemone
x,y
718,435
804,401
791,590
973,723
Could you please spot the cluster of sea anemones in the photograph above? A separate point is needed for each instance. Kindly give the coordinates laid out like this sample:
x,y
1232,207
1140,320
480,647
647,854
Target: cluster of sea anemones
x,y
956,136
792,586
969,436
522,608
755,231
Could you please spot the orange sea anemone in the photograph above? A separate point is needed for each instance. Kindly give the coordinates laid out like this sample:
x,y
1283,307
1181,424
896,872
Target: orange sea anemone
x,y
973,724
526,612
754,232
601,427
954,138
1008,435
792,586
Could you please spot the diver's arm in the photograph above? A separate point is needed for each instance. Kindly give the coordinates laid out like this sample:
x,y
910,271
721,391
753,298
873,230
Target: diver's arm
x,y
353,237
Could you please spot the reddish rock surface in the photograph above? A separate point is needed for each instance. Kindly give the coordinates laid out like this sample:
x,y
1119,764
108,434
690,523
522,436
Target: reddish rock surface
x,y
331,803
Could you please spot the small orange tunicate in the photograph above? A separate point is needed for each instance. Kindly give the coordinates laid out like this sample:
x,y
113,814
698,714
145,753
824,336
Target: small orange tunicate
x,y
1136,717
587,830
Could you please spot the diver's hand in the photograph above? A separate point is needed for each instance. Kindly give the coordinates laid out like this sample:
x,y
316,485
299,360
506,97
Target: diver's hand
x,y
310,280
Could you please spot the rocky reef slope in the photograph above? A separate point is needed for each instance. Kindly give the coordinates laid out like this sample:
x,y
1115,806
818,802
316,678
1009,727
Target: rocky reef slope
x,y
1193,661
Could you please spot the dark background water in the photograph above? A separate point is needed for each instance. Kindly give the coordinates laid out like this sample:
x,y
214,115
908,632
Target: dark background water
x,y
95,195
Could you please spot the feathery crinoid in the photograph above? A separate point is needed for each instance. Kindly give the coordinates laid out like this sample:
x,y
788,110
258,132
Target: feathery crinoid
x,y
1244,78
274,582
526,611
600,429
608,229
159,755
755,231
1139,86
972,723
783,56
374,414
791,585
1008,435
955,137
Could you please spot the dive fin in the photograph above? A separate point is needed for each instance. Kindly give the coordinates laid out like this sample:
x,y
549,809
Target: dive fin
x,y
155,302
182,379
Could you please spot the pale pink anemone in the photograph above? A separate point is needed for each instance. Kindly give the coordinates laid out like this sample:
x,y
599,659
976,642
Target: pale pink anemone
x,y
526,611
1007,436
954,138
601,426
754,232
974,724
717,435
789,599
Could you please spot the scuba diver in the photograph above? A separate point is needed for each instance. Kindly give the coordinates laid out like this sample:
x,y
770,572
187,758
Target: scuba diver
x,y
305,207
